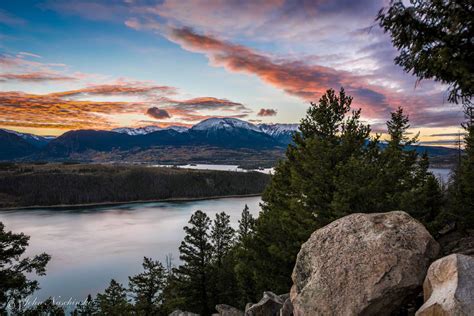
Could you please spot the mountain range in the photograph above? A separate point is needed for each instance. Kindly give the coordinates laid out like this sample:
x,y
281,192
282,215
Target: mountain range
x,y
225,133
223,137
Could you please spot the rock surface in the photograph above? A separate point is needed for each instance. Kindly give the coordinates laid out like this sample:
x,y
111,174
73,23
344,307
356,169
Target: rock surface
x,y
362,264
227,310
269,305
449,287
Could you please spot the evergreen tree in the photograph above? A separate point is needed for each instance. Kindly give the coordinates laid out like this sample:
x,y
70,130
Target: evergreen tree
x,y
86,308
243,260
147,288
114,300
47,308
246,224
194,273
434,38
224,284
14,283
461,189
299,198
222,236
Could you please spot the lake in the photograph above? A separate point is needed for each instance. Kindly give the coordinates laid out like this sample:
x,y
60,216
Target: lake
x,y
89,246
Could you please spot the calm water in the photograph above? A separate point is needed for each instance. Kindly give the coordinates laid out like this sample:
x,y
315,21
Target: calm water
x,y
92,245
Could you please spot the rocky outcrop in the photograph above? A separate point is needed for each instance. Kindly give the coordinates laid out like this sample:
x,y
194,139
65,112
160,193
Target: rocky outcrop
x,y
182,313
449,287
362,264
227,310
269,305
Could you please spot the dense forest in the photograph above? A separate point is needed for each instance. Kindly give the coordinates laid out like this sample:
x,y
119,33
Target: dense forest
x,y
69,184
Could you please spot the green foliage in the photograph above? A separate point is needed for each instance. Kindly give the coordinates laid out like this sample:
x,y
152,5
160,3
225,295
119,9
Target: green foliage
x,y
89,184
461,188
300,196
434,38
47,308
114,300
86,308
14,283
147,288
246,225
194,273
333,169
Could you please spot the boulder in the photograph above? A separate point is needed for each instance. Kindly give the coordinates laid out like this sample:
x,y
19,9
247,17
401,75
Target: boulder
x,y
287,308
182,313
449,287
362,264
269,305
227,310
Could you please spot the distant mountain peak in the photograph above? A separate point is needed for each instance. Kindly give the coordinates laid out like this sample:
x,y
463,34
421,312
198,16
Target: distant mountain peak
x,y
226,123
35,140
133,131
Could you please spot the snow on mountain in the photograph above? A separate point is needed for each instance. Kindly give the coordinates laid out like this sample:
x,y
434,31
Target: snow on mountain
x,y
178,128
278,129
147,129
36,140
216,123
137,131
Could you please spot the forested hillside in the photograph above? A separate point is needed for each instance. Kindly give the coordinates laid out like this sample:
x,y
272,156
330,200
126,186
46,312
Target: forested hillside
x,y
66,184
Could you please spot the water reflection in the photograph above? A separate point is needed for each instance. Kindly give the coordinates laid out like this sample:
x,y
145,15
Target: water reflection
x,y
92,245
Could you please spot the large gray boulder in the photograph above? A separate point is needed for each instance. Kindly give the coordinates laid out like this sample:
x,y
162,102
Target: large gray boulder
x,y
269,305
449,287
362,264
227,310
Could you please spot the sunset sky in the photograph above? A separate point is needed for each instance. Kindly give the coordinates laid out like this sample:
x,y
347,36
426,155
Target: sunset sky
x,y
104,64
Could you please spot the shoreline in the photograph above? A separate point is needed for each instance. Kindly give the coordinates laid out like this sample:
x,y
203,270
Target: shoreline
x,y
99,204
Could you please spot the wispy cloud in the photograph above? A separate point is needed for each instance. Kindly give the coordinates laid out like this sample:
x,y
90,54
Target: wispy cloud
x,y
35,76
309,81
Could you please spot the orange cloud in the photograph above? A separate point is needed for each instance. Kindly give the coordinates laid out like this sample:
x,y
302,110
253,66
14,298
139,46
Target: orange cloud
x,y
35,76
309,81
133,88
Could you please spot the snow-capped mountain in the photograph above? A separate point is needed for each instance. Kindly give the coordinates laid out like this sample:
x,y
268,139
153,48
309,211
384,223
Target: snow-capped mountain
x,y
217,123
278,129
137,131
283,133
147,130
35,140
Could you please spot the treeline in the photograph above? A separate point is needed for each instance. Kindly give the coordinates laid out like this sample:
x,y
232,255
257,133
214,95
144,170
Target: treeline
x,y
65,184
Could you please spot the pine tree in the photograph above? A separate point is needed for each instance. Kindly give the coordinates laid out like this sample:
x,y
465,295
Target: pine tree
x,y
194,273
461,189
243,260
224,285
47,308
147,288
14,283
86,308
299,198
114,300
222,236
246,224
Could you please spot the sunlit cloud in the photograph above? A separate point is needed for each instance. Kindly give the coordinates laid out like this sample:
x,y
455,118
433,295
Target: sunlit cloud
x,y
310,81
35,76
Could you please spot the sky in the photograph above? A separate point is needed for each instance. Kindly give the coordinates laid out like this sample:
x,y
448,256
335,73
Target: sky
x,y
112,63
